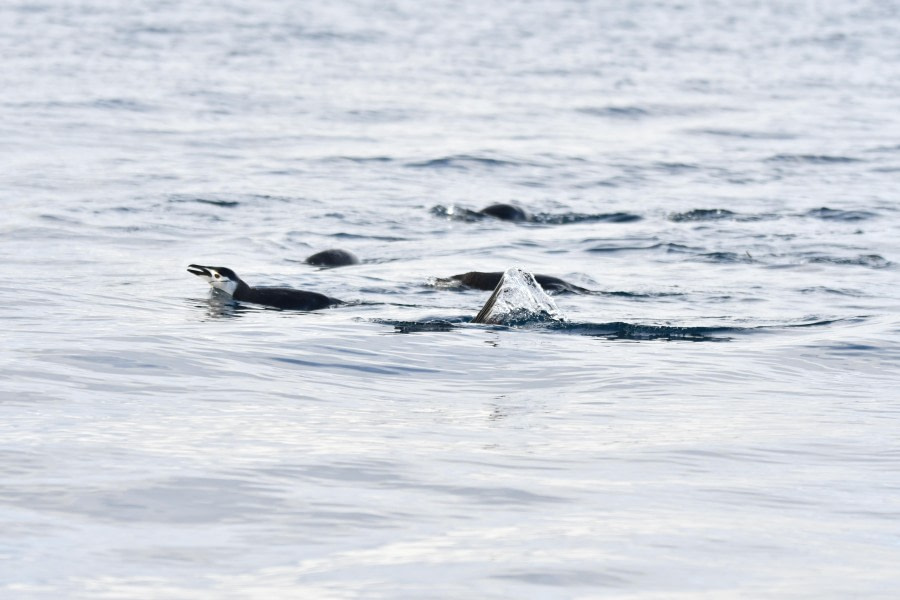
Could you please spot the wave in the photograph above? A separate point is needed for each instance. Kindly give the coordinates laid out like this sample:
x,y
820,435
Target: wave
x,y
617,330
613,330
812,159
727,257
343,235
692,253
359,159
831,214
123,104
745,135
703,214
668,247
821,289
570,218
615,112
717,214
214,202
635,331
874,261
723,214
465,162
225,200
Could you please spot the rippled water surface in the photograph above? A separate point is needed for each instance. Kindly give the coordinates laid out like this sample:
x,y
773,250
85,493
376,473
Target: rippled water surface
x,y
716,417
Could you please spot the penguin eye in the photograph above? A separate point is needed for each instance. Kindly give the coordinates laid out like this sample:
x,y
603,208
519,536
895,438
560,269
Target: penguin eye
x,y
218,276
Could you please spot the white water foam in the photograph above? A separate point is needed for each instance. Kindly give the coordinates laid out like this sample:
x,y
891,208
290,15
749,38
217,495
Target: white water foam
x,y
518,298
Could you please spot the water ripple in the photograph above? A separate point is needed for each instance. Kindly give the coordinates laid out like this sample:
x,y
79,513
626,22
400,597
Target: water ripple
x,y
812,159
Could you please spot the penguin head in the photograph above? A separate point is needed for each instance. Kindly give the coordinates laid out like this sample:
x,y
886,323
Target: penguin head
x,y
221,278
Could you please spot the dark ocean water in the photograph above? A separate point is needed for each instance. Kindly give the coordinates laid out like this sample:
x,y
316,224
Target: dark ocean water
x,y
718,417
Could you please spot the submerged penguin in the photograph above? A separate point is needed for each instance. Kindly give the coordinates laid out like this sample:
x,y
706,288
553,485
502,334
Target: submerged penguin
x,y
505,212
226,280
332,258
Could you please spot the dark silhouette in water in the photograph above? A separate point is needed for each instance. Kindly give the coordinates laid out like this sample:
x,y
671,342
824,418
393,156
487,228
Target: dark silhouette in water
x,y
226,280
479,280
505,212
332,258
514,214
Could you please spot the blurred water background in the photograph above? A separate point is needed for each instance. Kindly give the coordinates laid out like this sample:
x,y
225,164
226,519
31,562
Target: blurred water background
x,y
726,169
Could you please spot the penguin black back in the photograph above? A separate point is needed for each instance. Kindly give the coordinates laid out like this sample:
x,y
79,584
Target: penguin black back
x,y
505,212
332,258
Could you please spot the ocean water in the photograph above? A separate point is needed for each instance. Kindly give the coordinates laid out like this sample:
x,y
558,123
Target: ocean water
x,y
717,418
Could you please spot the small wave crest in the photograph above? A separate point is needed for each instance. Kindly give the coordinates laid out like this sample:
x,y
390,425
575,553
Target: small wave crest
x,y
620,330
570,218
745,134
811,159
464,162
616,330
716,214
614,112
831,214
727,257
703,214
723,214
456,213
225,200
667,247
632,331
873,261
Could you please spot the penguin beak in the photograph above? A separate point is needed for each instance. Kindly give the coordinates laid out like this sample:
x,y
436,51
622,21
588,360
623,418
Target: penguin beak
x,y
199,271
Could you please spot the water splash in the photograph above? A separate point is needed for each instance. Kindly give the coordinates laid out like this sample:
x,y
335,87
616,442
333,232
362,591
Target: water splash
x,y
518,298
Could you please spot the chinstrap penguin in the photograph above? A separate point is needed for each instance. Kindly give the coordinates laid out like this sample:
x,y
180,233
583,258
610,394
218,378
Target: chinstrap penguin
x,y
226,280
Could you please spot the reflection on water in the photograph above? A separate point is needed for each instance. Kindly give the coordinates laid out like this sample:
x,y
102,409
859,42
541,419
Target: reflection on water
x,y
216,308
